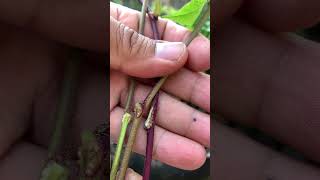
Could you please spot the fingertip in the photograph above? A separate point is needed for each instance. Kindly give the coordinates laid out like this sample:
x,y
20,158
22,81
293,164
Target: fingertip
x,y
199,54
132,175
189,156
199,158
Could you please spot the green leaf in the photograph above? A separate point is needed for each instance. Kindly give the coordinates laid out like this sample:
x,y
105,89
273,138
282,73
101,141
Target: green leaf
x,y
188,14
205,30
87,138
157,7
54,171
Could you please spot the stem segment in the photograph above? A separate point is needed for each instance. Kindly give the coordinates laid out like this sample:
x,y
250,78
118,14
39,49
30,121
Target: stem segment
x,y
138,108
200,22
124,126
150,138
133,133
68,87
125,122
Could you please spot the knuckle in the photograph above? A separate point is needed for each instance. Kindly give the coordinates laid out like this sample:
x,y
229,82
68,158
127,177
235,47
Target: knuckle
x,y
136,44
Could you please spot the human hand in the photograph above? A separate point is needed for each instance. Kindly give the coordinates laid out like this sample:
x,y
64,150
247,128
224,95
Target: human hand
x,y
36,39
33,58
269,80
178,124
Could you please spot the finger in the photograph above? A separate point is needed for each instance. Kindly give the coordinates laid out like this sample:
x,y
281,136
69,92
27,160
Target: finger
x,y
23,161
257,161
30,87
140,56
199,49
189,156
132,175
79,23
173,114
273,86
25,68
176,116
189,86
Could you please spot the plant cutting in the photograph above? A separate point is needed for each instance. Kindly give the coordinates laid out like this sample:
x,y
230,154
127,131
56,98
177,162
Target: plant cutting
x,y
92,161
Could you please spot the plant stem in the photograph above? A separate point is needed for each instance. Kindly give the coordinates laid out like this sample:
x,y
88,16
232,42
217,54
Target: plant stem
x,y
136,123
68,88
125,122
204,15
150,138
126,118
200,22
143,16
133,133
153,111
130,95
139,107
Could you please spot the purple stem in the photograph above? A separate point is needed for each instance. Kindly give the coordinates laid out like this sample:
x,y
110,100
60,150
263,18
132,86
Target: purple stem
x,y
150,138
153,19
150,132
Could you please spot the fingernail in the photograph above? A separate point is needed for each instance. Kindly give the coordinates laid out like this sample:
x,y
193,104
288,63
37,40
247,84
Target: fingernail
x,y
170,50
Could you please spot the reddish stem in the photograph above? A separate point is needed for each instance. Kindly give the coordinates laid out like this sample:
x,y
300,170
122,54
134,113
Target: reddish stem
x,y
150,132
150,138
153,19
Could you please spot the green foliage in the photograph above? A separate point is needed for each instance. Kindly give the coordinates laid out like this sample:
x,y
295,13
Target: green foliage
x,y
54,171
157,7
188,14
87,138
90,154
117,1
165,10
205,30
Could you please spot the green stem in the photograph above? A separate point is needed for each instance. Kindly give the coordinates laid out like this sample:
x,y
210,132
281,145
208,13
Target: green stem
x,y
133,133
137,120
204,15
116,160
126,118
143,16
68,88
139,108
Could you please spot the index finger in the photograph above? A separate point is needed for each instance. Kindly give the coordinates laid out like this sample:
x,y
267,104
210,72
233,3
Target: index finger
x,y
199,48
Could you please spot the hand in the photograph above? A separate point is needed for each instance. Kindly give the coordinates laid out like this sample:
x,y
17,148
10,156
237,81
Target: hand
x,y
178,124
268,80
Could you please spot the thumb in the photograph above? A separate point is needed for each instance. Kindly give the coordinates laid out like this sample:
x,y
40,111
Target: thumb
x,y
137,55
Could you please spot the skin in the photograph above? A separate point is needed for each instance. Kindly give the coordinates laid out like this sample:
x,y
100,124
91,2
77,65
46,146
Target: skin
x,y
33,52
21,79
270,82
